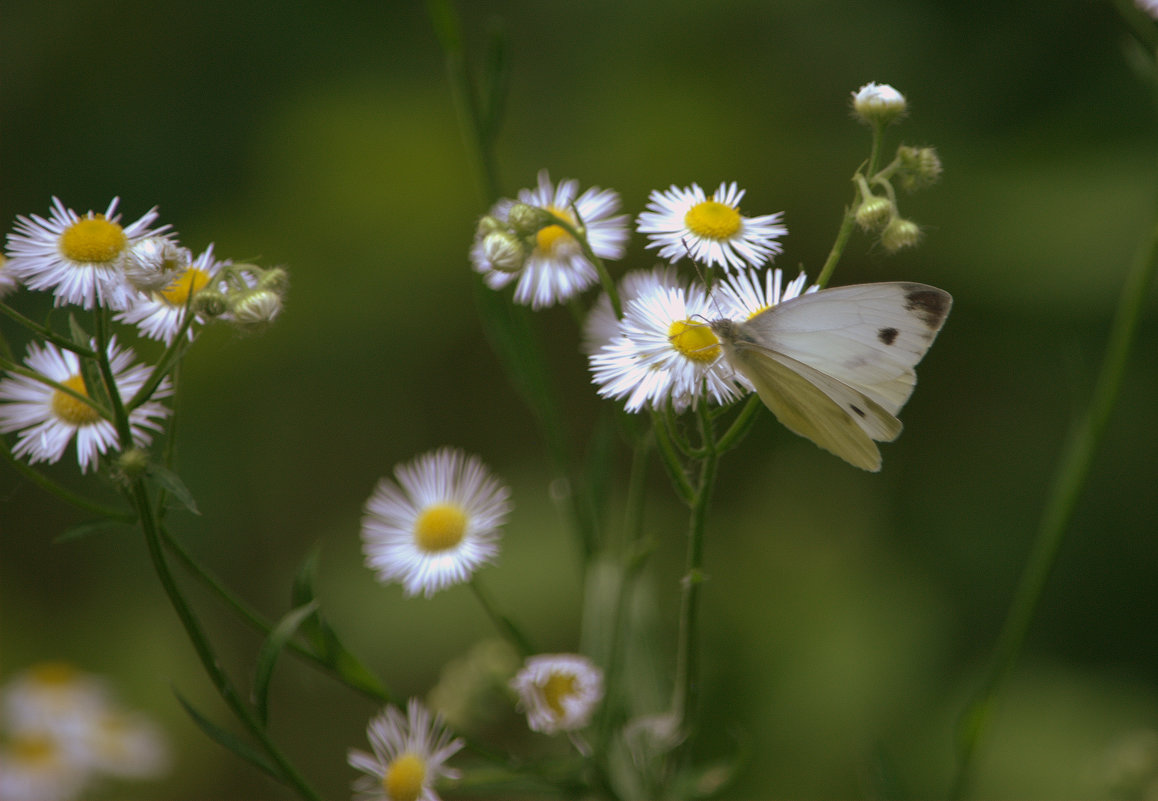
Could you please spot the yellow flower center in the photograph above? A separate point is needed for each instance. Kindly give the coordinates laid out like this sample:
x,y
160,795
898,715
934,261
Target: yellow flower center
x,y
557,688
404,778
441,526
57,673
93,240
694,341
71,410
713,220
550,237
188,283
34,749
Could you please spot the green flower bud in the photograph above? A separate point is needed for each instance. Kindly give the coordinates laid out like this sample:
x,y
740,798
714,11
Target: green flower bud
x,y
526,220
920,167
900,233
504,251
874,213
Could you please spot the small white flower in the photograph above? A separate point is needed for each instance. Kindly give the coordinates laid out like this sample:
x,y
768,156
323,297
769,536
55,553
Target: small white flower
x,y
665,353
410,754
555,269
437,525
559,692
878,102
47,418
744,295
37,767
159,314
683,221
81,259
1148,6
601,325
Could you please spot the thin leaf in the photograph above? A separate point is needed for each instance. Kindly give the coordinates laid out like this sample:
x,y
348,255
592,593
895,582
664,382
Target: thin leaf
x,y
171,482
230,740
88,529
270,650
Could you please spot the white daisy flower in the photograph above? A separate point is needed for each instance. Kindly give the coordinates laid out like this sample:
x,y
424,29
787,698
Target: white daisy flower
x,y
665,353
47,419
601,325
37,767
684,222
437,525
559,692
410,754
555,268
127,745
8,281
159,314
81,259
743,295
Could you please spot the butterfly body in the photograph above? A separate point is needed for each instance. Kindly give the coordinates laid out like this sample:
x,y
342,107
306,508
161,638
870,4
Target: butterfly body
x,y
836,366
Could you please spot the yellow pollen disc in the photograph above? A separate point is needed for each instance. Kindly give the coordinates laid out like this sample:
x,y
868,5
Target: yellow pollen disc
x,y
557,688
713,220
93,240
694,341
440,527
69,409
188,283
33,749
549,238
403,779
56,673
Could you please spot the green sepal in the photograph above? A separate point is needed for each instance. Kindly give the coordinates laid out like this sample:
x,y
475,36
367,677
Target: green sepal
x,y
230,741
270,650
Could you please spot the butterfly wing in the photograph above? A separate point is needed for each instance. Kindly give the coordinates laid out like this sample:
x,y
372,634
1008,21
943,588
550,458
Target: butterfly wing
x,y
832,414
867,336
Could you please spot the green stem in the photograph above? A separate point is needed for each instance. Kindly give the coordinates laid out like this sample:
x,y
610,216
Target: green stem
x,y
687,651
65,494
46,333
503,623
1073,469
848,223
288,774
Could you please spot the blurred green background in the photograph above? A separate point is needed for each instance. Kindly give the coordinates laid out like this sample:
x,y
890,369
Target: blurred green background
x,y
848,614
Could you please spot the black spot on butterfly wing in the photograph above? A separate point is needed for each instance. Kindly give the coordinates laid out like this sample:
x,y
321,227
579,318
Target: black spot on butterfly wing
x,y
929,304
859,411
887,335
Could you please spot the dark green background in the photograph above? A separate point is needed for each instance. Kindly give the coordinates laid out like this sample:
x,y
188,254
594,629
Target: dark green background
x,y
848,614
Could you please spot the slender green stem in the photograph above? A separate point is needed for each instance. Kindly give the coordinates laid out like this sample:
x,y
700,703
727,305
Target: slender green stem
x,y
848,222
19,369
288,773
503,623
687,651
46,333
1072,471
670,458
65,494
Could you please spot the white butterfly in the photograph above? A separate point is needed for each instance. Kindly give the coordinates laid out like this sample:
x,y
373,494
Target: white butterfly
x,y
836,366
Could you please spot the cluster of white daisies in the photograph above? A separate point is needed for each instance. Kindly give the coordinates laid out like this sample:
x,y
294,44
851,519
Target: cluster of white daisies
x,y
146,280
62,732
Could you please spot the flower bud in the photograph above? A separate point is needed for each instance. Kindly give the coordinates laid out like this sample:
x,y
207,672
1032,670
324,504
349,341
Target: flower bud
x,y
526,220
920,167
874,213
878,103
210,303
132,463
488,225
900,233
153,263
254,308
504,251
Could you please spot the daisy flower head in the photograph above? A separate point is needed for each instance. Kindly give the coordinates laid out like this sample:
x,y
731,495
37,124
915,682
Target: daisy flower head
x,y
683,221
160,313
601,325
81,259
437,524
559,692
553,268
410,754
47,418
745,294
1148,6
665,353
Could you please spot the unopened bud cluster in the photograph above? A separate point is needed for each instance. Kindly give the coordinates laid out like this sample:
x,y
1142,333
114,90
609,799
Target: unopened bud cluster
x,y
507,243
912,168
249,296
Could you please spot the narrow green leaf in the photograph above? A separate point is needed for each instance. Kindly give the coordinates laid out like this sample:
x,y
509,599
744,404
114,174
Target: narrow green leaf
x,y
171,482
88,529
230,741
76,330
270,650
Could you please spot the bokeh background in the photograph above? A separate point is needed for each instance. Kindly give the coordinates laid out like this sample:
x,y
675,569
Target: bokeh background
x,y
848,615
